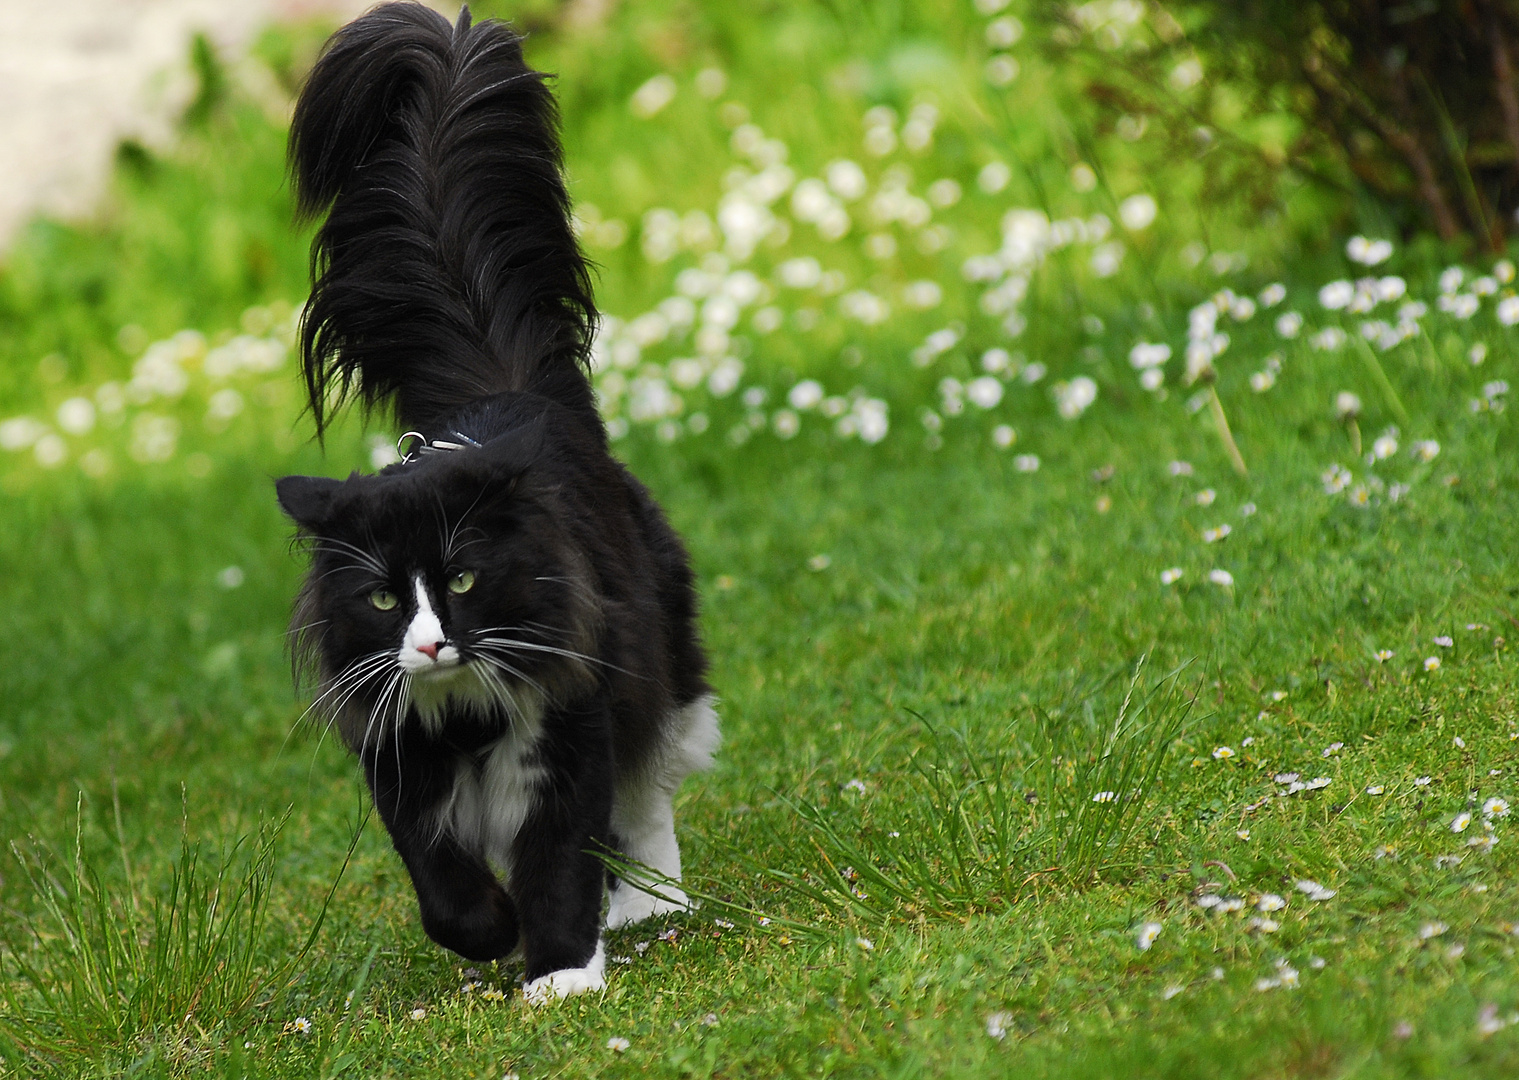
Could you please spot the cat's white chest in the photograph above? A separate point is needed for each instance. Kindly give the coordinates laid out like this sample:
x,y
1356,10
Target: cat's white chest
x,y
493,794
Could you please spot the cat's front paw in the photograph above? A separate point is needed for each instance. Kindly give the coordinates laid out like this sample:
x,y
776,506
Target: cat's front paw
x,y
481,932
630,905
567,982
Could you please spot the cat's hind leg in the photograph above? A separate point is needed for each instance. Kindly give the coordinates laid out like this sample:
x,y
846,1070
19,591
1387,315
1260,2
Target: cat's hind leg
x,y
643,819
644,825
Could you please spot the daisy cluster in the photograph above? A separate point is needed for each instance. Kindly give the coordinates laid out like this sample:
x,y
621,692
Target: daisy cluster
x,y
1492,811
181,382
1211,536
748,279
1443,642
796,293
778,254
750,274
1260,913
857,294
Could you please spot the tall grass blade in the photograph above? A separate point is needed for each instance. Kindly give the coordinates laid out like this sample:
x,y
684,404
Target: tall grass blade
x,y
1059,796
127,965
711,895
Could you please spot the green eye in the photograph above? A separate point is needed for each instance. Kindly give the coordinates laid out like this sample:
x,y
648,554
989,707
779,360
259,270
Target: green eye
x,y
383,599
461,582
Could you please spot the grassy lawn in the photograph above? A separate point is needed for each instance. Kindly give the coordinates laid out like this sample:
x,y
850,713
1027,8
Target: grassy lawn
x,y
1002,792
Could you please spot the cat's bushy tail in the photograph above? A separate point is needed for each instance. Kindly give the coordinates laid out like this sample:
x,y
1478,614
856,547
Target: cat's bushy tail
x,y
447,268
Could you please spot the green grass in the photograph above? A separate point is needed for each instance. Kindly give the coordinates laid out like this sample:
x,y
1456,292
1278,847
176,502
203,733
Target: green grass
x,y
931,707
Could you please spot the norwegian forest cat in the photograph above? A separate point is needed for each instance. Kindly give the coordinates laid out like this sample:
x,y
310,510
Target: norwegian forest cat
x,y
503,625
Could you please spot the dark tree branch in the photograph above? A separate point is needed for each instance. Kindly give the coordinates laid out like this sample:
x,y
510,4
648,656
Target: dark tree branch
x,y
1503,74
1392,133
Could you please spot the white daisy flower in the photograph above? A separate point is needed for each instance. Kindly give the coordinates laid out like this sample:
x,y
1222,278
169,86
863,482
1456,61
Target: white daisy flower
x,y
997,1024
1314,891
1337,295
1289,324
1368,252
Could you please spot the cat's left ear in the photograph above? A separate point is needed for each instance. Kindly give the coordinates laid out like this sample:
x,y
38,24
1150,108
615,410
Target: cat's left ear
x,y
307,500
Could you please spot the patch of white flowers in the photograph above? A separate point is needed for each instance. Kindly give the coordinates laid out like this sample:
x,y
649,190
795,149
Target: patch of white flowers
x,y
763,260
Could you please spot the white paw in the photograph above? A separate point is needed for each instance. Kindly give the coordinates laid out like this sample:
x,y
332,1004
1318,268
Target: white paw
x,y
567,982
630,905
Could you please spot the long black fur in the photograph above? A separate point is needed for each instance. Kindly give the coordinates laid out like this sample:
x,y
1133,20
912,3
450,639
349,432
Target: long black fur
x,y
447,269
449,287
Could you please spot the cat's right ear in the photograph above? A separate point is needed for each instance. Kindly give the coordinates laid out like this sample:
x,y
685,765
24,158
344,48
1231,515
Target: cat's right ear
x,y
307,500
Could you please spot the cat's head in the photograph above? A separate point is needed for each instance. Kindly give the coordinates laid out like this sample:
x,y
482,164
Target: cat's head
x,y
445,585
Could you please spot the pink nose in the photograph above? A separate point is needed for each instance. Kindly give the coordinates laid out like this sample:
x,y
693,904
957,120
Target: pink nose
x,y
431,651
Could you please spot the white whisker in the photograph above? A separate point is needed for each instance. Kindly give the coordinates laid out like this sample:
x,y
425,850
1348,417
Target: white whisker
x,y
368,559
499,690
553,649
493,662
379,708
354,689
448,545
359,670
342,567
575,585
483,654
307,626
403,702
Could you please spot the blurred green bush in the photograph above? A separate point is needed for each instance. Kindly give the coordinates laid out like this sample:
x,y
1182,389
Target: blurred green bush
x,y
1413,99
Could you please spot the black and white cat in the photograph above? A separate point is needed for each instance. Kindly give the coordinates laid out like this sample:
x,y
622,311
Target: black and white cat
x,y
502,626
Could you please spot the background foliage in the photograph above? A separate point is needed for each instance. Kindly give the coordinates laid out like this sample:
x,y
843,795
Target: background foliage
x,y
1416,101
961,478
